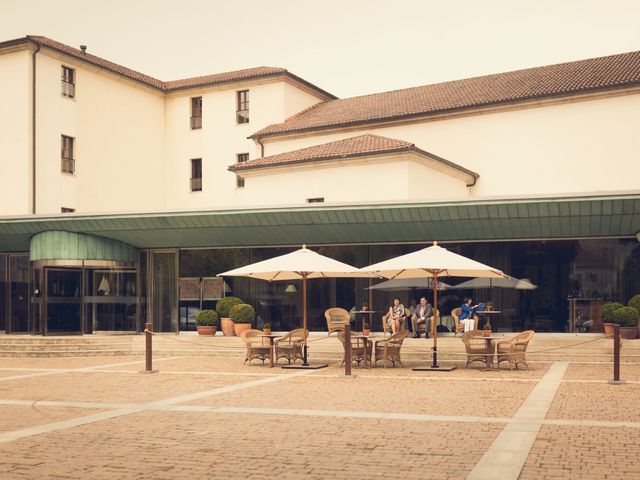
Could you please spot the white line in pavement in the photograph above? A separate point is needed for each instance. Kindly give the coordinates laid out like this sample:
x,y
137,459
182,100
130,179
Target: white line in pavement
x,y
58,371
98,417
509,451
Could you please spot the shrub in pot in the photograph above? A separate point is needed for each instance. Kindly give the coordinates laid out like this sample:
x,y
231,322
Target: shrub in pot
x,y
266,329
635,302
627,318
486,331
223,307
242,316
207,322
607,316
366,330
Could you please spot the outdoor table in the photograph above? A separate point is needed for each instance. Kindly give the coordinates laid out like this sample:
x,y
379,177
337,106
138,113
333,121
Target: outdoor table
x,y
487,344
272,346
365,312
366,349
488,312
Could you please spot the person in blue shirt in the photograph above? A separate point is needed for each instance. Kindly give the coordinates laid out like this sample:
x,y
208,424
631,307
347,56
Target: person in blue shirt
x,y
467,314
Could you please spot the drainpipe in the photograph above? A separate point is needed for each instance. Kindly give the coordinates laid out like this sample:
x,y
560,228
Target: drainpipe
x,y
33,128
261,147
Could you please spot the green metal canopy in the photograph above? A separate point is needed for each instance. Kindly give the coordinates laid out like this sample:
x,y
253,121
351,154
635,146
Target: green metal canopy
x,y
479,220
73,246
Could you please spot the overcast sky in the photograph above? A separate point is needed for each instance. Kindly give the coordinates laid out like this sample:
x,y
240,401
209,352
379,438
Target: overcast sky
x,y
348,47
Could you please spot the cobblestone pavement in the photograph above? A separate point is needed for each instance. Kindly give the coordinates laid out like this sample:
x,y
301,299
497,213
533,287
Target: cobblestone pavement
x,y
211,417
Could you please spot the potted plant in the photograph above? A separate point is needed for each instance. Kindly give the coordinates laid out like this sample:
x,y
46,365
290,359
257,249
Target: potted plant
x,y
488,306
242,316
223,307
627,318
607,316
635,302
266,329
207,322
366,331
487,330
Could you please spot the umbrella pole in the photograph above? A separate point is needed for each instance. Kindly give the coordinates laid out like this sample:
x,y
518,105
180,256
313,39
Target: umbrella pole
x,y
304,318
435,320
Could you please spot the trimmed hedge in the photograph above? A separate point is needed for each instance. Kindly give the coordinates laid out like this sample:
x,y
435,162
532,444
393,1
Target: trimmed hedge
x,y
607,311
207,318
225,305
626,317
635,302
242,313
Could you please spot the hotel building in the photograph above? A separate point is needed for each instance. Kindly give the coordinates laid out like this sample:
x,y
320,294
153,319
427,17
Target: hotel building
x,y
123,196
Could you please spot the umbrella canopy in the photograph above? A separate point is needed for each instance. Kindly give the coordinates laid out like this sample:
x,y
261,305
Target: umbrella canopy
x,y
301,264
509,282
434,262
408,283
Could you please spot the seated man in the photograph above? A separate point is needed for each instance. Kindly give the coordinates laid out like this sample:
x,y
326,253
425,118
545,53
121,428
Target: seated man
x,y
423,314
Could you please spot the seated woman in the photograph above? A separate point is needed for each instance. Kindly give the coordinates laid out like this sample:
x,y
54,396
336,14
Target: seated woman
x,y
467,313
396,314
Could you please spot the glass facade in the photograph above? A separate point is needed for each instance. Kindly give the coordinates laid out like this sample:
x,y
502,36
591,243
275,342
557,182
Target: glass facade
x,y
572,279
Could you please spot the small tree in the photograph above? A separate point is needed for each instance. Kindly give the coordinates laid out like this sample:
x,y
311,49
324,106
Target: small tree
x,y
607,311
207,318
242,313
225,305
626,317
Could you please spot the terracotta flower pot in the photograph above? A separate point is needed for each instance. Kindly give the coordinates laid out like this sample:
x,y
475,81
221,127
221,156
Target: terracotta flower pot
x,y
266,331
608,328
366,333
207,330
226,324
628,333
486,333
241,327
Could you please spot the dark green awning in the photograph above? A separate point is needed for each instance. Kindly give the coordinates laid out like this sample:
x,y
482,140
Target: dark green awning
x,y
482,220
73,246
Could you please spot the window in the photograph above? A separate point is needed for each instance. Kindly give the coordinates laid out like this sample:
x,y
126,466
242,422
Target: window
x,y
68,82
196,175
67,210
196,113
68,162
242,111
242,157
315,200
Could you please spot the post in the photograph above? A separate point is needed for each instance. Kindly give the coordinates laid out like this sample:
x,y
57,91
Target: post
x,y
305,361
347,349
148,351
616,354
435,320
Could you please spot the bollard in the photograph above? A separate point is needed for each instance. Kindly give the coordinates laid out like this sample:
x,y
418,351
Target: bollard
x,y
616,356
148,350
347,349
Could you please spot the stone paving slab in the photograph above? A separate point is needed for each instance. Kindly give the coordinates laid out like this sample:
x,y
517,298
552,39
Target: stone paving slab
x,y
604,372
68,362
600,401
15,417
583,453
110,387
186,445
444,397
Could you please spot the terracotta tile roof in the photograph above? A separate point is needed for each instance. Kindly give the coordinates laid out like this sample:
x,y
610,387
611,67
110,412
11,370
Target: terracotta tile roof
x,y
360,146
554,80
202,81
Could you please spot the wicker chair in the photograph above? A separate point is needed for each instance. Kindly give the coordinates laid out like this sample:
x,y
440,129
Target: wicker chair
x,y
357,348
403,321
476,348
337,318
455,313
290,346
388,349
514,349
257,347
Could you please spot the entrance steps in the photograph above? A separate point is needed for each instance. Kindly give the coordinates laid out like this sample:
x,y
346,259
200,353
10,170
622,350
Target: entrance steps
x,y
544,347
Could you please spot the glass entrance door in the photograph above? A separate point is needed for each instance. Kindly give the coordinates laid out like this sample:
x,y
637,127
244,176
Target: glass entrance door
x,y
19,293
63,300
164,291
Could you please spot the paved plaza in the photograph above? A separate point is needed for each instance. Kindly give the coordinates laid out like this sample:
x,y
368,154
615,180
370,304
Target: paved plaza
x,y
212,417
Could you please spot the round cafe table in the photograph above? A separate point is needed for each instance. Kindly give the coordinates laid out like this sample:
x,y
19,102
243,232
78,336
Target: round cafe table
x,y
488,314
271,346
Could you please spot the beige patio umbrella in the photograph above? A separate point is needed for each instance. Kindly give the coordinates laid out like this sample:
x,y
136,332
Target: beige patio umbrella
x,y
508,282
433,262
302,264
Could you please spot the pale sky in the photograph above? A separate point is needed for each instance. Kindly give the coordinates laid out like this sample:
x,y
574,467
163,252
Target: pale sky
x,y
348,47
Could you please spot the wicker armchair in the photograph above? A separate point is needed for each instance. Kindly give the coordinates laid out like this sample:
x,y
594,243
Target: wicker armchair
x,y
514,349
388,349
403,321
459,327
290,346
337,318
257,347
357,349
476,348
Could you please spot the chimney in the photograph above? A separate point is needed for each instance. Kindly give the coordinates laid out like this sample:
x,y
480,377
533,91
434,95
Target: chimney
x,y
83,48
